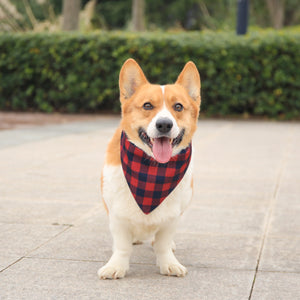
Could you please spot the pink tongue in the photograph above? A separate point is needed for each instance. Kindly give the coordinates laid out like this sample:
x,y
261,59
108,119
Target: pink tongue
x,y
162,149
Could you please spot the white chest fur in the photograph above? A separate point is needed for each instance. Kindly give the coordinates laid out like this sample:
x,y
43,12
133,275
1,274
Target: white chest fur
x,y
122,205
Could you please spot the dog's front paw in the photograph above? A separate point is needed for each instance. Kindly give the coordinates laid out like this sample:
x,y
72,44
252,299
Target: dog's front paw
x,y
111,272
173,269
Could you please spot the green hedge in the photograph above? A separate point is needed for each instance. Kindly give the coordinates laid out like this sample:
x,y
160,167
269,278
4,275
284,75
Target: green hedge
x,y
257,74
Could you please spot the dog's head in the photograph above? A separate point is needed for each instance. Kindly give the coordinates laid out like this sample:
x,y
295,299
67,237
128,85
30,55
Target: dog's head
x,y
160,120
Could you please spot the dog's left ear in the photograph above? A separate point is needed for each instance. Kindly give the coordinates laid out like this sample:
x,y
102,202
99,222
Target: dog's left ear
x,y
130,79
189,78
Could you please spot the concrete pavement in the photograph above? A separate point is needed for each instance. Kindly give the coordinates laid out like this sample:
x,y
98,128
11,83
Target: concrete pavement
x,y
240,238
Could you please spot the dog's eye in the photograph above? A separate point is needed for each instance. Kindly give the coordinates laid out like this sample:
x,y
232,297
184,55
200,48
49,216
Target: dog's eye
x,y
178,107
148,106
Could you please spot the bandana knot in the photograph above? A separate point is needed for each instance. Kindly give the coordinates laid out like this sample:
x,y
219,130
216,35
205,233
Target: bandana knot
x,y
151,182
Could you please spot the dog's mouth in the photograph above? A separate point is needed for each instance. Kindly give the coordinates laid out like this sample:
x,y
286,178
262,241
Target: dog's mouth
x,y
162,146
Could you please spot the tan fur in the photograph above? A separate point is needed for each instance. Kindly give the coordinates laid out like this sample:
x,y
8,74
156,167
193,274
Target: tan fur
x,y
143,91
127,222
113,149
103,201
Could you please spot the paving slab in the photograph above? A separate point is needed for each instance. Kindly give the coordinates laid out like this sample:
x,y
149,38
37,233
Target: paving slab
x,y
281,253
222,221
78,281
233,252
21,239
7,260
88,240
285,222
9,120
276,285
239,238
252,199
9,138
42,212
205,250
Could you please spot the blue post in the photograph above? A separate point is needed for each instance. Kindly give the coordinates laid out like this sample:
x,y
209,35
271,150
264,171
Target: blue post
x,y
242,17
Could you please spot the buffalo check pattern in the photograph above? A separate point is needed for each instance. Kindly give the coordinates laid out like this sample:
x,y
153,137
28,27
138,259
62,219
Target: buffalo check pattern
x,y
151,182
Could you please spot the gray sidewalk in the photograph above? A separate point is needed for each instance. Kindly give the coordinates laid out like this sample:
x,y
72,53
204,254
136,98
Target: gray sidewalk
x,y
240,238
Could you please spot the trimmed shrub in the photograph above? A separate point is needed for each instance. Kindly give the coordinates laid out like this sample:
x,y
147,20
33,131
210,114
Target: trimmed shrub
x,y
257,74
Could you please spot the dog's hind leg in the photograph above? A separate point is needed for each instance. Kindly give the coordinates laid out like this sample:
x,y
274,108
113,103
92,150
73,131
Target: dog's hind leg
x,y
137,242
152,243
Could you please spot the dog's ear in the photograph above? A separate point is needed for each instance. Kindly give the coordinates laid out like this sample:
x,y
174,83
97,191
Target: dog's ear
x,y
130,79
189,78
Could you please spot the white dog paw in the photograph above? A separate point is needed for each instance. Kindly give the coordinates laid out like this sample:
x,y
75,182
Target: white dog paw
x,y
111,272
173,269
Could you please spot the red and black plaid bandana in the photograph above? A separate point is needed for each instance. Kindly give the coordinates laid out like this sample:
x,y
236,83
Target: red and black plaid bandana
x,y
151,182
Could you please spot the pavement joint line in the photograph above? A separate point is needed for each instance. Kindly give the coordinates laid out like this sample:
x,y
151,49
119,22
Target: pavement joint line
x,y
282,167
64,259
279,271
13,263
141,264
42,244
209,233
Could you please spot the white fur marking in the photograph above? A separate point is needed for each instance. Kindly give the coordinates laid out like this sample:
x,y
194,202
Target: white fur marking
x,y
164,113
128,222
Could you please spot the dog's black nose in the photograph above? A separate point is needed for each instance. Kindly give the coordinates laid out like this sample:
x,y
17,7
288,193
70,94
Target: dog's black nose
x,y
164,125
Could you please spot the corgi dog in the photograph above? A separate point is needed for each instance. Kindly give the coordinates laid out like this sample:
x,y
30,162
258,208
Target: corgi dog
x,y
147,179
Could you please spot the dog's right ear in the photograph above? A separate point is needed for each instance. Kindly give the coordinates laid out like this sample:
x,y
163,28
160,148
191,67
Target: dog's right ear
x,y
130,79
